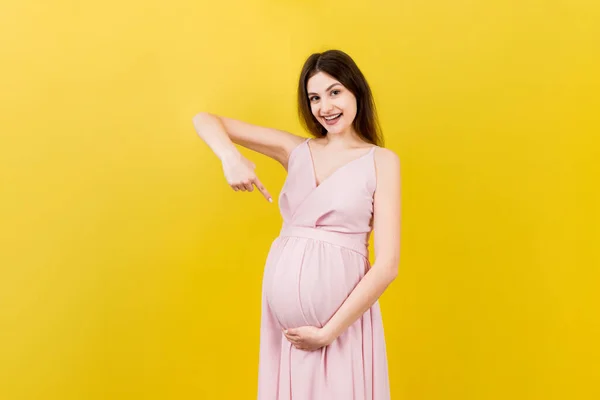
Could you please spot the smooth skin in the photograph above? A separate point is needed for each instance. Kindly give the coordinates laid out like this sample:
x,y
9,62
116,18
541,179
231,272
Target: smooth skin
x,y
327,97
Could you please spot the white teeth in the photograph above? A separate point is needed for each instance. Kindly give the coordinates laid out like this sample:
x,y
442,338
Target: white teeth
x,y
332,117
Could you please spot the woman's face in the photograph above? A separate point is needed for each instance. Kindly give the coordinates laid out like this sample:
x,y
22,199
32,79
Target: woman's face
x,y
331,103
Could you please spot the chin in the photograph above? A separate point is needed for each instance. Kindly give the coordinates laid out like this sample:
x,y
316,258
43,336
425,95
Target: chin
x,y
337,129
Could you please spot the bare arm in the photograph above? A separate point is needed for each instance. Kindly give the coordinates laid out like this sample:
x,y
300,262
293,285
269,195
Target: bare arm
x,y
387,247
220,134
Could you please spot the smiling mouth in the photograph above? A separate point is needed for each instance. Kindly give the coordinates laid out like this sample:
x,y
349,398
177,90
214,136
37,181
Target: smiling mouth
x,y
332,117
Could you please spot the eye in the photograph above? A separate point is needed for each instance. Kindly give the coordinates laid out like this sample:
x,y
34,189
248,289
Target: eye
x,y
335,91
313,98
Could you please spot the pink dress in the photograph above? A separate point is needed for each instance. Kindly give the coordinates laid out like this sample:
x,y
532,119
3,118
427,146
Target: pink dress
x,y
314,264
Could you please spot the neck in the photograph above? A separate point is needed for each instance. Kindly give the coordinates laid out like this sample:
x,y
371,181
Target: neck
x,y
346,138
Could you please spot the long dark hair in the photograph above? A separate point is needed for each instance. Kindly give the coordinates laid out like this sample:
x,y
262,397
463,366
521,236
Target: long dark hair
x,y
342,67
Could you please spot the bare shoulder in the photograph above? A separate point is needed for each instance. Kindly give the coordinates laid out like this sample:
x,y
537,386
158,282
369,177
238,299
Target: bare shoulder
x,y
386,159
387,170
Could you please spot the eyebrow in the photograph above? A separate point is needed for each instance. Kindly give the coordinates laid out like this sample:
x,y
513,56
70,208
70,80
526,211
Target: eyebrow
x,y
337,83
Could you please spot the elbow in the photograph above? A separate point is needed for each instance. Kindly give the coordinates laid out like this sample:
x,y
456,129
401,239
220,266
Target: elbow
x,y
386,267
199,116
202,116
392,273
202,120
390,267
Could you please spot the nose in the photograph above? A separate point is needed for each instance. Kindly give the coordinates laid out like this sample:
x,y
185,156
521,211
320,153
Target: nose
x,y
326,106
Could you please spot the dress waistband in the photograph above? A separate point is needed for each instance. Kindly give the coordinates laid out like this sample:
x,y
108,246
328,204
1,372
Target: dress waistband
x,y
353,241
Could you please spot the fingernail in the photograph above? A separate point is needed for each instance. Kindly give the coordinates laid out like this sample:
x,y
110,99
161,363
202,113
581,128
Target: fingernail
x,y
270,200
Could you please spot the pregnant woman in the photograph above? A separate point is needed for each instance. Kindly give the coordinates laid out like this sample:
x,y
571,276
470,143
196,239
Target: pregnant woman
x,y
321,328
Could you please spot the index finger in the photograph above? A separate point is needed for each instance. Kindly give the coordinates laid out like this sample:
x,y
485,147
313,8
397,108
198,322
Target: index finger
x,y
262,189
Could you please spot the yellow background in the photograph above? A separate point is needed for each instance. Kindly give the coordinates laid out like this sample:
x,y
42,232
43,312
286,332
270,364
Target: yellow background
x,y
130,270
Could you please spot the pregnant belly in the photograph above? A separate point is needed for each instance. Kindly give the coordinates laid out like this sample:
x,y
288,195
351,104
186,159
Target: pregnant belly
x,y
307,281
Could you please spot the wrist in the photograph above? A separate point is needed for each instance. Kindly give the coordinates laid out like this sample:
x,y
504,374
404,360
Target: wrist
x,y
329,335
229,155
